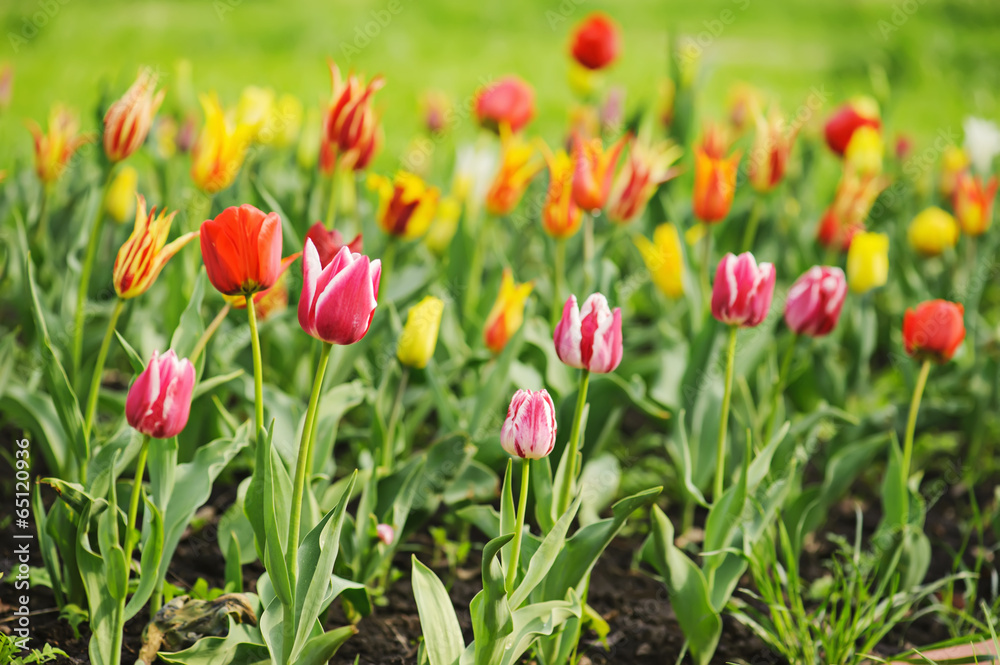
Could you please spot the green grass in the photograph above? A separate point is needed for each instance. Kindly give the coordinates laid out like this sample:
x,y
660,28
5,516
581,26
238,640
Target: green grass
x,y
939,61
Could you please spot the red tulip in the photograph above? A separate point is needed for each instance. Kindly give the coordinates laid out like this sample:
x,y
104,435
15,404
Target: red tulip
x,y
590,338
845,120
743,290
241,249
352,133
329,242
596,42
159,401
934,330
338,301
815,301
509,101
529,431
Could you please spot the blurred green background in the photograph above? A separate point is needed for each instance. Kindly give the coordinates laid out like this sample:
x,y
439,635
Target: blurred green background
x,y
939,56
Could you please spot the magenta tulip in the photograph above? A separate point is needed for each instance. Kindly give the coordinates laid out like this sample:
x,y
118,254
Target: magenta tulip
x,y
742,293
338,301
815,300
159,401
590,338
385,533
529,431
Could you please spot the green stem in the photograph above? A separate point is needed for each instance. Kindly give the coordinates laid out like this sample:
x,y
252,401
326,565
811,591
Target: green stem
x,y
911,427
573,444
750,232
88,268
588,251
331,206
258,370
706,258
42,225
389,439
559,267
102,355
515,550
720,452
133,504
209,331
779,387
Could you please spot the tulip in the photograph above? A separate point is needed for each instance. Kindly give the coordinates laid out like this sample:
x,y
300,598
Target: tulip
x,y
254,110
860,112
241,249
646,168
220,149
594,169
864,151
934,330
444,226
510,101
932,231
590,338
475,171
868,262
529,431
507,314
769,155
560,215
416,344
982,143
270,300
159,400
596,42
954,162
437,111
128,120
714,178
815,301
146,251
352,133
742,292
329,242
973,203
663,259
6,85
120,200
744,104
338,301
851,204
406,204
386,534
53,150
517,167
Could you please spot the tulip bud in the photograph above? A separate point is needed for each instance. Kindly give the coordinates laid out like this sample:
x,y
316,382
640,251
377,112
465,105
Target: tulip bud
x,y
934,330
932,231
329,242
841,126
127,122
973,203
596,42
120,201
742,292
406,204
385,533
241,249
529,431
338,301
507,314
352,132
714,178
664,260
509,102
159,401
416,344
561,216
518,166
590,338
142,257
594,167
815,300
53,150
868,261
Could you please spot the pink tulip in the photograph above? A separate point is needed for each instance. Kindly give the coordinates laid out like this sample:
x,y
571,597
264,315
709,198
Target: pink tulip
x,y
592,338
815,300
159,401
742,291
385,533
529,431
338,301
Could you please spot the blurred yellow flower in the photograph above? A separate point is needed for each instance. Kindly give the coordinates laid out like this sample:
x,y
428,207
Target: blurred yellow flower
x,y
932,231
220,149
954,161
864,151
868,261
406,204
416,344
444,226
663,259
254,110
507,314
120,201
517,167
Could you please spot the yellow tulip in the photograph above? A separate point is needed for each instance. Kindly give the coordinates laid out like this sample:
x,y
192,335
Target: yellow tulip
x,y
120,201
220,149
254,110
406,204
932,231
954,162
507,314
864,151
663,259
444,226
416,345
53,150
868,261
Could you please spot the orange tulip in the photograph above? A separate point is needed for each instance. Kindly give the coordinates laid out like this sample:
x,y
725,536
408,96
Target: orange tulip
x,y
851,204
241,249
973,203
352,133
517,167
646,167
507,314
146,251
714,177
53,150
594,169
128,120
561,216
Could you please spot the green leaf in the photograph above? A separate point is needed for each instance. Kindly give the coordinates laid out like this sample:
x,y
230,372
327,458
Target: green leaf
x,y
191,326
507,516
438,622
320,649
544,557
36,413
134,359
539,619
242,645
681,455
234,568
491,618
104,620
149,563
208,385
541,477
599,484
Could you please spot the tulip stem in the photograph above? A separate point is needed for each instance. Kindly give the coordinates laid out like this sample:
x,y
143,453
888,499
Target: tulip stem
x,y
911,427
588,251
720,453
102,356
209,331
258,370
331,206
573,445
133,504
389,440
753,222
88,268
779,387
515,549
42,225
706,258
559,266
